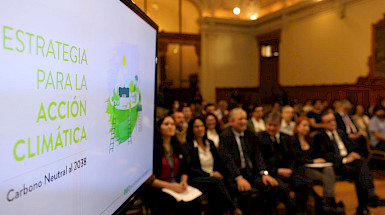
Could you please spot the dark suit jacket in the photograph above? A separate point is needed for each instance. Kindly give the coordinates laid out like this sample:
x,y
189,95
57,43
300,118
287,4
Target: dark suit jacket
x,y
269,153
330,149
250,125
194,164
341,124
228,150
305,157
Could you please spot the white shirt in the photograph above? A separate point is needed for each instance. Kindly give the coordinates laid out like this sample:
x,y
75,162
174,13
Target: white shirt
x,y
362,123
205,157
287,128
213,136
237,138
277,136
258,125
340,144
219,114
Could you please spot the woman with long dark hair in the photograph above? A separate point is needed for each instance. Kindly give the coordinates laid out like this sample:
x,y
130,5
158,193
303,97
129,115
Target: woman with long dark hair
x,y
315,165
213,130
206,168
170,171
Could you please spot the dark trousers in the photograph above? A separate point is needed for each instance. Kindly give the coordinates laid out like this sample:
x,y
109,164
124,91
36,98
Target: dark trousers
x,y
301,185
380,146
362,146
219,196
271,195
162,203
249,200
359,172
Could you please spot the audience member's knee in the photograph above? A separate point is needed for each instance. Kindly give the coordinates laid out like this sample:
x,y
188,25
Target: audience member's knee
x,y
329,171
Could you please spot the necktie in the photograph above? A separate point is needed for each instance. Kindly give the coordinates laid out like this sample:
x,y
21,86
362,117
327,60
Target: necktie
x,y
334,140
274,140
245,153
341,147
278,149
349,124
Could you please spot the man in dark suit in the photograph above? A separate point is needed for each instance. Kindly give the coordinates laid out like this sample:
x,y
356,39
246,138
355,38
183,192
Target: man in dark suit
x,y
278,154
242,158
340,150
345,123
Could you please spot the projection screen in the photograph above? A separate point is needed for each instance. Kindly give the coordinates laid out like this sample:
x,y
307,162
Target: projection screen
x,y
77,87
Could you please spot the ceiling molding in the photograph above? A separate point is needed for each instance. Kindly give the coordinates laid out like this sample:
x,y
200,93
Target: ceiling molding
x,y
198,4
276,20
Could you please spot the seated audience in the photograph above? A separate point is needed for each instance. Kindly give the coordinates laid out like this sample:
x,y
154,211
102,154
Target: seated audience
x,y
213,129
206,169
175,106
345,124
297,111
361,120
200,109
287,123
256,122
187,113
222,113
277,150
209,108
307,154
192,108
376,129
336,105
239,151
181,126
325,105
272,158
276,107
170,172
308,106
315,115
338,148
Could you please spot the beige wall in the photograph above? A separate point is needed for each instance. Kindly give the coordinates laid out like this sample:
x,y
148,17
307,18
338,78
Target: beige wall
x,y
326,49
317,47
166,15
190,65
229,59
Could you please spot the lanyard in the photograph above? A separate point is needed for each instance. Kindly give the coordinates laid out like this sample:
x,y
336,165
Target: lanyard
x,y
170,160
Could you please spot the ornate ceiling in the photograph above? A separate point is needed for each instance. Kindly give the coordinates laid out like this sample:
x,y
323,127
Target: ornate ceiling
x,y
185,15
249,9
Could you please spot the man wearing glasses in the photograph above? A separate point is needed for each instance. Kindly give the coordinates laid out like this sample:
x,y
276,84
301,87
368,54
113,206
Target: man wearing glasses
x,y
341,151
